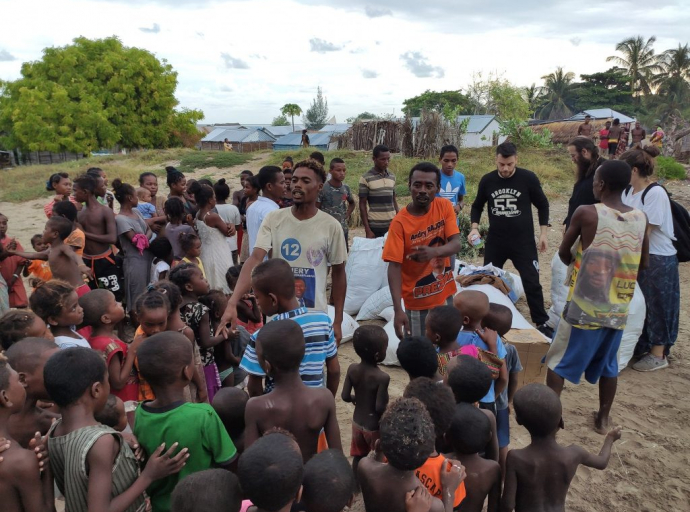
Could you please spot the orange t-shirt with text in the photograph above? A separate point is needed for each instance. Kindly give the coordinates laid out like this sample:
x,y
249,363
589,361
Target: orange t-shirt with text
x,y
427,284
430,476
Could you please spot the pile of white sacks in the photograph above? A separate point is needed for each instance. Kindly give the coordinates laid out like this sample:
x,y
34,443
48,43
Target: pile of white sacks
x,y
369,297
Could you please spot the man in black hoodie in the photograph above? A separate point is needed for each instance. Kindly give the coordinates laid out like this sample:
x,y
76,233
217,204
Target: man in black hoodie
x,y
511,192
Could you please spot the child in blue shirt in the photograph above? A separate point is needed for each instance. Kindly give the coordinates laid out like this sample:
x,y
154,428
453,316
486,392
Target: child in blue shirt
x,y
452,181
145,207
473,307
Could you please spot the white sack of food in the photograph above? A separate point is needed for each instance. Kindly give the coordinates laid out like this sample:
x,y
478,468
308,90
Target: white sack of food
x,y
372,307
348,326
633,328
365,271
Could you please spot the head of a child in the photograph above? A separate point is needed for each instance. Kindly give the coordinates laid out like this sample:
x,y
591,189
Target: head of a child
x,y
216,301
189,279
473,307
499,318
469,379
190,245
438,400
469,431
113,414
66,210
4,221
12,392
407,434
232,275
538,409
280,347
172,293
77,375
229,404
274,286
329,483
152,309
28,357
144,195
57,304
271,470
16,325
161,248
370,343
57,228
38,244
211,489
84,186
174,210
166,361
417,357
337,169
443,323
101,308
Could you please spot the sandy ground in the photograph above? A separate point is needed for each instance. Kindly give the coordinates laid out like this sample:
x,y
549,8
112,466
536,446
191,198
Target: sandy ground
x,y
649,467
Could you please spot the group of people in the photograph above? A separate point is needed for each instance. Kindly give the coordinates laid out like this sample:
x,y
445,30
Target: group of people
x,y
225,397
615,138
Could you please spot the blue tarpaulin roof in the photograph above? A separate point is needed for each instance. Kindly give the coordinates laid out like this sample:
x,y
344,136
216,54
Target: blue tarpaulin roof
x,y
295,140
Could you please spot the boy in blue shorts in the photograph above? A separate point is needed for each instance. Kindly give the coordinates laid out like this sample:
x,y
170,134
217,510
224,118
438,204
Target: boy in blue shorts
x,y
500,319
473,307
274,288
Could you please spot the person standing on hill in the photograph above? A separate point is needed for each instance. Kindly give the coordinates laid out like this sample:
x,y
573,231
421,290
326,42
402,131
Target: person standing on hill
x,y
585,129
305,139
377,189
511,191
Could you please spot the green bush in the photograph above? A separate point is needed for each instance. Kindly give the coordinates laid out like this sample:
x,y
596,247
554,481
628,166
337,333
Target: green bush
x,y
205,159
667,168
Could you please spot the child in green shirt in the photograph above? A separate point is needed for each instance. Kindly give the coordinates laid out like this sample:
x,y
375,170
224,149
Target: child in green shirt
x,y
166,362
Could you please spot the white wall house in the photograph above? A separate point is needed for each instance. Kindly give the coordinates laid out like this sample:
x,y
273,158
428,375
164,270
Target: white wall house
x,y
482,131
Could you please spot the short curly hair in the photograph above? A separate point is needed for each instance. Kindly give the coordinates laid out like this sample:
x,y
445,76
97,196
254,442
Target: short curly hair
x,y
14,325
438,400
407,434
315,166
49,298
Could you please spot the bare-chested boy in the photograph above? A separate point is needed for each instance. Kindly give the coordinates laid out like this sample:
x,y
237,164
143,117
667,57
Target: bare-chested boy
x,y
64,263
28,357
538,477
98,224
291,405
371,389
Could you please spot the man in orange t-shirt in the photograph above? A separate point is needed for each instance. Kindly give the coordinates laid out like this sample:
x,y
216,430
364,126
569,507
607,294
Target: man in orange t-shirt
x,y
420,239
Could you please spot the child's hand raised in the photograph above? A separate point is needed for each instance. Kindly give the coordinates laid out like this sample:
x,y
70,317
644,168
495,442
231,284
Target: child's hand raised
x,y
490,337
165,464
418,500
615,433
40,448
453,476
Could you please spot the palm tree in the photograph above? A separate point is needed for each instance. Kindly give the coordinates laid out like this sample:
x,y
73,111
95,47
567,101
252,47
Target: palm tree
x,y
533,96
292,110
674,80
639,61
558,95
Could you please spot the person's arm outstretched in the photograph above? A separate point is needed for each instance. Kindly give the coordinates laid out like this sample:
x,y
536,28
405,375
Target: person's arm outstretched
x,y
244,284
601,460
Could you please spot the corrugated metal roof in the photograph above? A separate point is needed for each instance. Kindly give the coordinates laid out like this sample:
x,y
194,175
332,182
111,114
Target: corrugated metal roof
x,y
336,128
232,134
602,113
259,136
295,139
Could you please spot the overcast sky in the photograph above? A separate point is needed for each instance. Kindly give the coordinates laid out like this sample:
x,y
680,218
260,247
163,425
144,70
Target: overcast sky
x,y
240,61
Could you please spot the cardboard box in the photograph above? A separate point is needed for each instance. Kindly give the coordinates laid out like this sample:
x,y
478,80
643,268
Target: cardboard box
x,y
531,346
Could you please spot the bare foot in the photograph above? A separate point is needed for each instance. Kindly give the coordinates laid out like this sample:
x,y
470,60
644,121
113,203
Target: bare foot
x,y
601,425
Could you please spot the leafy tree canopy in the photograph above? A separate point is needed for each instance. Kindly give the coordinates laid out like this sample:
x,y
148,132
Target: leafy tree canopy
x,y
94,94
608,89
364,116
317,115
280,120
437,102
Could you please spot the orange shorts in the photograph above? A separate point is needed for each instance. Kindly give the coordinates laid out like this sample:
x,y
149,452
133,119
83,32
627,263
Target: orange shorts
x,y
363,441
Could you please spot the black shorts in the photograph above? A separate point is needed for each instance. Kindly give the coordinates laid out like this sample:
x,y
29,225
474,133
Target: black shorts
x,y
107,272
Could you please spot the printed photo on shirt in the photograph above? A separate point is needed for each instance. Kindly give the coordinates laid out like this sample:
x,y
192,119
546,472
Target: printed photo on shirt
x,y
305,286
439,275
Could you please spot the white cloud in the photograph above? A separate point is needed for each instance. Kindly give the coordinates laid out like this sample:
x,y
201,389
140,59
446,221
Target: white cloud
x,y
6,56
233,62
369,73
419,66
153,30
377,12
321,46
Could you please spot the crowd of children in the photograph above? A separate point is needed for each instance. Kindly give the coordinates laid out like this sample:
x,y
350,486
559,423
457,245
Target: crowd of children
x,y
188,414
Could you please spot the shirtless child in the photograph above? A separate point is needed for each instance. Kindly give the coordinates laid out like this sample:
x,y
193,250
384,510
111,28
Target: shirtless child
x,y
371,389
468,434
291,405
407,440
98,224
538,477
21,487
64,263
28,357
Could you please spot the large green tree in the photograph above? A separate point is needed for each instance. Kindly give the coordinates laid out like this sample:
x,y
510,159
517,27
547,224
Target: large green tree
x,y
292,110
608,89
558,95
280,120
638,59
93,94
317,114
437,102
